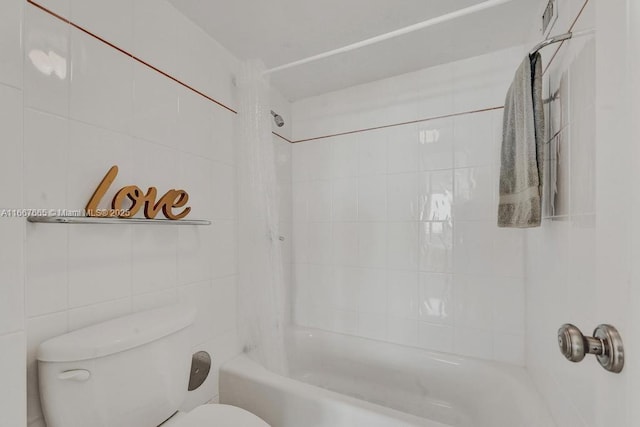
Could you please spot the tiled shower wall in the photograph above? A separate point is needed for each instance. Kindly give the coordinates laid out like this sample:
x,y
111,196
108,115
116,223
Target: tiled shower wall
x,y
395,234
82,107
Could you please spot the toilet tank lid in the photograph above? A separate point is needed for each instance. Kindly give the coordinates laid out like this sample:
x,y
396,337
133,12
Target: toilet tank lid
x,y
114,336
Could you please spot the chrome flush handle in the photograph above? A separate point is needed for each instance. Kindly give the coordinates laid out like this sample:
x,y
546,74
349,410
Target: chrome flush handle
x,y
606,345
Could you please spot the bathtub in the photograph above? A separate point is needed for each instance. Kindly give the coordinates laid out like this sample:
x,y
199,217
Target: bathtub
x,y
343,381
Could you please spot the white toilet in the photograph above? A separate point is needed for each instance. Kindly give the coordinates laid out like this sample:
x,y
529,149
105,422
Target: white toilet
x,y
128,372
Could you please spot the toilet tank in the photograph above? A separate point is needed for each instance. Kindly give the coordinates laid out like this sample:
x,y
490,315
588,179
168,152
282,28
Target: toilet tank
x,y
128,372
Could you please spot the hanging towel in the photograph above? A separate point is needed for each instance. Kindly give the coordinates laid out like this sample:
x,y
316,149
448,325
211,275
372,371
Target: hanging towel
x,y
521,170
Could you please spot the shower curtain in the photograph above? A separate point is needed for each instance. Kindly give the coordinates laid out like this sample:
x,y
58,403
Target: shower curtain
x,y
261,292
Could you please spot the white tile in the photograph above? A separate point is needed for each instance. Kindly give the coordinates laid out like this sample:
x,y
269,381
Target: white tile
x,y
317,159
46,275
473,342
435,337
508,252
201,296
320,247
47,62
436,144
345,156
13,373
403,245
435,91
97,313
403,294
319,200
403,149
474,194
224,192
403,197
474,143
300,201
113,21
101,90
436,303
474,301
372,291
402,331
99,264
11,42
154,33
155,258
436,196
11,275
224,255
583,164
224,147
509,348
345,291
436,246
45,160
155,106
194,131
344,322
11,159
470,247
320,243
344,199
482,82
372,326
321,282
345,243
196,54
509,305
154,300
61,7
300,242
196,250
39,329
223,306
372,198
372,244
372,152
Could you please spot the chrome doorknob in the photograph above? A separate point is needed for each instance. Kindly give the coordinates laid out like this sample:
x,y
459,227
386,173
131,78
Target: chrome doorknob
x,y
606,345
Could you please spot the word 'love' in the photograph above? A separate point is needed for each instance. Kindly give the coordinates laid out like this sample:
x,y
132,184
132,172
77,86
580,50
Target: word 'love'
x,y
134,195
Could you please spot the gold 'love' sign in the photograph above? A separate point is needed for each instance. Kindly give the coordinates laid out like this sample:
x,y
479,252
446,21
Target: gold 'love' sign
x,y
132,194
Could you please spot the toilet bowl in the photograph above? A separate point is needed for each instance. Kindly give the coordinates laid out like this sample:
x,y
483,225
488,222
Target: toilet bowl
x,y
215,416
127,372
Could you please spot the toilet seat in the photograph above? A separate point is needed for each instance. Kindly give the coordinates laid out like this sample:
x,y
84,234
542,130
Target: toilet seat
x,y
217,415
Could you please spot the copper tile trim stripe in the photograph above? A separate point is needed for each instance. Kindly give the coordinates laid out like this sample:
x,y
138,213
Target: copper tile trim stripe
x,y
399,124
132,56
283,137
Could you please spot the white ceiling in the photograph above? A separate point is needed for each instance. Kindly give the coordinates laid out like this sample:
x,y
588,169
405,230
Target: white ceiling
x,y
281,31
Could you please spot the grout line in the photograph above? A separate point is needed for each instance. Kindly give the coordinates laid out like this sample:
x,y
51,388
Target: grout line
x,y
132,56
398,124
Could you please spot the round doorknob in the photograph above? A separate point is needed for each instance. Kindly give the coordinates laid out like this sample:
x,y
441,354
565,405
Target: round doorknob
x,y
606,345
571,342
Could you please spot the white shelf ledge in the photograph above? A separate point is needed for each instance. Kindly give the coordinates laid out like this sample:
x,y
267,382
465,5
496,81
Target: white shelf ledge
x,y
112,220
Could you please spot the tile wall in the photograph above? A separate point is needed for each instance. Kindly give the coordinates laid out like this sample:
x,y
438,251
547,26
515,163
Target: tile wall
x,y
395,234
71,107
